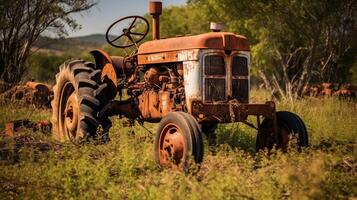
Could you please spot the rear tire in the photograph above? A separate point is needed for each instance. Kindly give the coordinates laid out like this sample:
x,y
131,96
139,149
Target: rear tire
x,y
178,138
76,103
290,127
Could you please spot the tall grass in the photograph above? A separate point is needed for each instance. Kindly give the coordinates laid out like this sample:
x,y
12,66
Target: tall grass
x,y
33,166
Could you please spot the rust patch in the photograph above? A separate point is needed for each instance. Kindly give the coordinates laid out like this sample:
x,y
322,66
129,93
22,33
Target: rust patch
x,y
330,89
213,40
14,126
226,112
165,57
31,93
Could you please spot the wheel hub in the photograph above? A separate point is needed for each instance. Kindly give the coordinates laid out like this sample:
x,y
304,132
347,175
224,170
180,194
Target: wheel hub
x,y
287,139
172,148
71,115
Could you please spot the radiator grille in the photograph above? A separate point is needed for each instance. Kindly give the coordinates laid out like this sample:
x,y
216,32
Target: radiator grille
x,y
240,66
240,89
215,79
214,65
214,89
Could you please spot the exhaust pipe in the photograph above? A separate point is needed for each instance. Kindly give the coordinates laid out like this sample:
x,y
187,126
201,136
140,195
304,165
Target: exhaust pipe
x,y
155,8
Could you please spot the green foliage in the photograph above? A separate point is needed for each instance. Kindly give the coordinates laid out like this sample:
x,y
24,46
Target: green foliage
x,y
22,22
34,166
353,72
43,66
297,41
182,20
116,51
298,36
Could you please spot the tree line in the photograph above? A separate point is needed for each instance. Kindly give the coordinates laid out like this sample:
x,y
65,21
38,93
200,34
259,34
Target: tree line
x,y
293,43
23,21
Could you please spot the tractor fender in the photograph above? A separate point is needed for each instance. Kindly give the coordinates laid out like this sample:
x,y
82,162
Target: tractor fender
x,y
108,75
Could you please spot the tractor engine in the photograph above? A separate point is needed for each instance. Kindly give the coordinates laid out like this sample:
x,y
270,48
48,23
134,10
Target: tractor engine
x,y
159,91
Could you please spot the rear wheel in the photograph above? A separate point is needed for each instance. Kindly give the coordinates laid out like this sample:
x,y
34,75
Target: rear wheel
x,y
291,132
178,138
76,102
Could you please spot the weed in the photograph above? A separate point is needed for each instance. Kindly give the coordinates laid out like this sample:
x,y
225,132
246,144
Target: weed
x,y
34,166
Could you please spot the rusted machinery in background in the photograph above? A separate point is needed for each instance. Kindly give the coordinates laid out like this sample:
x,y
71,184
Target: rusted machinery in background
x,y
189,84
31,93
346,90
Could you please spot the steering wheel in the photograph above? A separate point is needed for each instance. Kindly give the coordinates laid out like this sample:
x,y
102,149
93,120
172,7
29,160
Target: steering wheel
x,y
127,34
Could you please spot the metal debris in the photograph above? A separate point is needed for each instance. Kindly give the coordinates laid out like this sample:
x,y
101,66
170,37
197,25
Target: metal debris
x,y
331,89
15,126
31,93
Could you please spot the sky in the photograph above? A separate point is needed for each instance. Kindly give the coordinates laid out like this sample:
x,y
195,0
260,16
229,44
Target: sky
x,y
99,17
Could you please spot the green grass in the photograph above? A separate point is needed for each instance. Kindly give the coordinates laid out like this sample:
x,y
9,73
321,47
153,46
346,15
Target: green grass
x,y
33,166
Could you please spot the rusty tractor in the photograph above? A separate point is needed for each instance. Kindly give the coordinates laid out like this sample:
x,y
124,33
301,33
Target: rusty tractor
x,y
188,84
342,90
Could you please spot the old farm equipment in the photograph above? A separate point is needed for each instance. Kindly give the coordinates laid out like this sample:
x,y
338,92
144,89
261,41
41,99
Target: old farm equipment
x,y
188,84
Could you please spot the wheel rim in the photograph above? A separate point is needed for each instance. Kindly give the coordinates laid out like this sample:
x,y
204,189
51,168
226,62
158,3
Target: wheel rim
x,y
69,111
287,138
284,138
71,115
172,145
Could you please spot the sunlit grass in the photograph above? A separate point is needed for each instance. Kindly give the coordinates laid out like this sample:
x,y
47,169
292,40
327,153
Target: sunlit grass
x,y
34,166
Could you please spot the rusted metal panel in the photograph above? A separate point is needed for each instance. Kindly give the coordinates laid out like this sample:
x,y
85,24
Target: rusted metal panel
x,y
330,89
327,89
14,126
168,57
165,102
112,67
213,40
153,75
9,129
165,57
153,106
192,82
104,61
149,105
226,112
188,55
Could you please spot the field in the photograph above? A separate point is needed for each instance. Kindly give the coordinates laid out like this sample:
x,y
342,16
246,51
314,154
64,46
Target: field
x,y
34,166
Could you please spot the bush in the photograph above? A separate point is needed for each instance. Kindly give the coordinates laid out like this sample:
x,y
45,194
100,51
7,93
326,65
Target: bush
x,y
124,168
44,66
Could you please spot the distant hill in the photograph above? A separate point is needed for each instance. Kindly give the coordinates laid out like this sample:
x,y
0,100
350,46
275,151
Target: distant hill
x,y
65,44
98,39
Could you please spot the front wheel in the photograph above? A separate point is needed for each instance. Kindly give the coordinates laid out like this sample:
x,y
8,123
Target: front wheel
x,y
291,132
178,138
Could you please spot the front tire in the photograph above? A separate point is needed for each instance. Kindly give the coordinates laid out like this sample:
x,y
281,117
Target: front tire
x,y
178,138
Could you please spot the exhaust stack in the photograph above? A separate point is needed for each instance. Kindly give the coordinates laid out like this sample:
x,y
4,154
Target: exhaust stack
x,y
155,9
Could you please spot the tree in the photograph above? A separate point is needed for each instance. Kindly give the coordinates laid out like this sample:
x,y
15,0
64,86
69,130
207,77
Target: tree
x,y
293,42
180,20
44,66
21,23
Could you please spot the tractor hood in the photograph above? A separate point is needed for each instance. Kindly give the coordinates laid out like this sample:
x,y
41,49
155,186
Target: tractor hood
x,y
212,40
